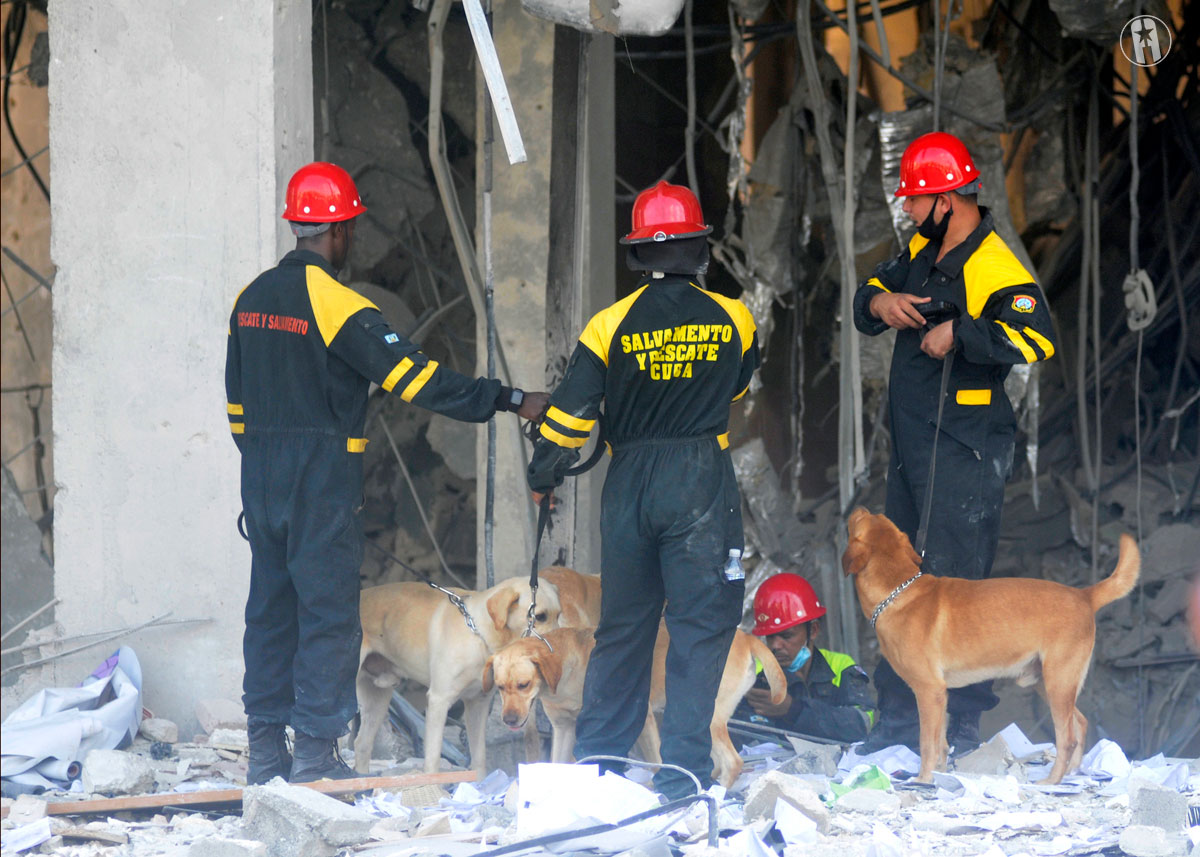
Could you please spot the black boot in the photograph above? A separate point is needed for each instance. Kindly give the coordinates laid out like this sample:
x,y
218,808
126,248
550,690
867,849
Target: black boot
x,y
318,759
269,757
962,733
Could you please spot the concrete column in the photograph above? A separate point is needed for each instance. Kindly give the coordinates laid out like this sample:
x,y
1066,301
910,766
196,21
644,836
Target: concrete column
x,y
521,229
173,130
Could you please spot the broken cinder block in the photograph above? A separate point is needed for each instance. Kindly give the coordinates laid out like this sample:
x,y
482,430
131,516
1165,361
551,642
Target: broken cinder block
x,y
160,729
763,792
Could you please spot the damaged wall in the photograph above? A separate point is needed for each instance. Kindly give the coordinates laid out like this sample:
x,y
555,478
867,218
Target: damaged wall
x,y
173,132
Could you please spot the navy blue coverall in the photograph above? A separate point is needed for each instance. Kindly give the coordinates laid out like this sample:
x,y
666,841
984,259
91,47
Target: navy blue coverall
x,y
1003,320
667,360
303,350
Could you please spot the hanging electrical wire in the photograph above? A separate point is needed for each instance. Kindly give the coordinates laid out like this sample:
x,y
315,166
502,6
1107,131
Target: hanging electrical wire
x,y
14,28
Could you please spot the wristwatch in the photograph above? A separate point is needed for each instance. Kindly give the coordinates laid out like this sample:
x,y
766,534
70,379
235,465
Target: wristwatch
x,y
515,398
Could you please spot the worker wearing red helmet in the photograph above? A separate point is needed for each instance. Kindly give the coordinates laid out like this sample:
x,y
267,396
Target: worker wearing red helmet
x,y
303,351
829,695
987,314
667,361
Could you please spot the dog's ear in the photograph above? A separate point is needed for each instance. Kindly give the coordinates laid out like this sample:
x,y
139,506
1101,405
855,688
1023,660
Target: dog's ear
x,y
500,604
489,680
550,666
855,558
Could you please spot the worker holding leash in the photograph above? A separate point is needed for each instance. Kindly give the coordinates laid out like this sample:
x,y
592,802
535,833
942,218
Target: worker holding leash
x,y
303,351
667,361
965,310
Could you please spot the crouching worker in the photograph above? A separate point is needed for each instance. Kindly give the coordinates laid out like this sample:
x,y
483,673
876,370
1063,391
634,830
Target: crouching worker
x,y
829,695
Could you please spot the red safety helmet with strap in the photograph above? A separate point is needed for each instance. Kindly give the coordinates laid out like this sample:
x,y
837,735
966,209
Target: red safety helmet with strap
x,y
783,601
666,212
321,192
937,163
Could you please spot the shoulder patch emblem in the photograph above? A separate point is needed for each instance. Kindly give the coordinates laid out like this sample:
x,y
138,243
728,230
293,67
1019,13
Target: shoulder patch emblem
x,y
1023,303
391,339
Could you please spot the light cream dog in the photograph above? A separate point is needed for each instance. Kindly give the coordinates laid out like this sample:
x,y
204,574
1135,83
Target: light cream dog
x,y
411,631
578,596
527,669
942,632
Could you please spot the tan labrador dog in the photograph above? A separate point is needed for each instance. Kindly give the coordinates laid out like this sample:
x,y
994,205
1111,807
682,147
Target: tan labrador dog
x,y
412,631
527,669
943,632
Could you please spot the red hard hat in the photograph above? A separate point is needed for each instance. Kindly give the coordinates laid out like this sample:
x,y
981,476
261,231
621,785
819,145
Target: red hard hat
x,y
783,601
322,193
665,212
936,163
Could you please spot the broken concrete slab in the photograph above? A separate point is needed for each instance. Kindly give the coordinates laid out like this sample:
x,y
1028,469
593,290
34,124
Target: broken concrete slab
x,y
763,792
812,758
1153,805
219,713
992,758
25,809
115,772
160,729
1139,840
295,820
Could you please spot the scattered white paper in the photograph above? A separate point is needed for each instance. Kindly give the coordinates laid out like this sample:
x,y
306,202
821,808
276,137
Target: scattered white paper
x,y
795,827
26,836
553,797
1020,745
747,844
890,759
1105,761
884,843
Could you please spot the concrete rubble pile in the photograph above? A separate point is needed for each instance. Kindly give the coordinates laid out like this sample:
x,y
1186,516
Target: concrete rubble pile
x,y
802,799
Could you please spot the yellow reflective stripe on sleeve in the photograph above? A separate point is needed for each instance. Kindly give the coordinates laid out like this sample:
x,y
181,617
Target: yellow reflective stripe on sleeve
x,y
561,439
874,281
356,444
237,428
973,397
838,661
1041,342
723,440
989,269
393,378
745,390
561,416
738,314
332,303
415,385
1019,341
597,337
231,408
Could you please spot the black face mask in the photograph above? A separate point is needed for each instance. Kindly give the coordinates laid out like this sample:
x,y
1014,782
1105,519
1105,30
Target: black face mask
x,y
934,231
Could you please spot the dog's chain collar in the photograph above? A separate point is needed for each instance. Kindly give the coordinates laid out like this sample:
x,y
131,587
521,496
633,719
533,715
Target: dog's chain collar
x,y
460,604
895,592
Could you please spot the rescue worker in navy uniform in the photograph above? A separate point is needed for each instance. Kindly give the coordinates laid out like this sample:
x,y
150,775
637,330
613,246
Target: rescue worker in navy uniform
x,y
829,695
667,360
1000,318
303,350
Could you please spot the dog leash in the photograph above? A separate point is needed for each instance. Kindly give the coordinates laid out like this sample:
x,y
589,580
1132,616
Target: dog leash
x,y
532,433
923,529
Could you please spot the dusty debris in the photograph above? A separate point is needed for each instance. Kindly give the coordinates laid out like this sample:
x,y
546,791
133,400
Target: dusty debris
x,y
116,772
295,820
773,786
159,729
217,846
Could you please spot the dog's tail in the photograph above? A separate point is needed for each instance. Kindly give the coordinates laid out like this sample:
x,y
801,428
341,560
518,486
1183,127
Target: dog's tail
x,y
771,669
1121,581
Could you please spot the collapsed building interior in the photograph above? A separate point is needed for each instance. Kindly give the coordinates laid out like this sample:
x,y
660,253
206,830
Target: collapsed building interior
x,y
778,114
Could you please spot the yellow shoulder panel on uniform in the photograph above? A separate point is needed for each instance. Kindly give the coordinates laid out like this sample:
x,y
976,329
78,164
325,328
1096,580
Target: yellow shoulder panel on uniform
x,y
991,267
736,310
332,303
598,335
916,244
